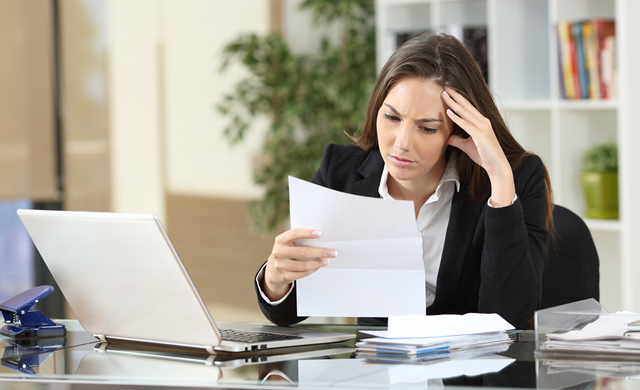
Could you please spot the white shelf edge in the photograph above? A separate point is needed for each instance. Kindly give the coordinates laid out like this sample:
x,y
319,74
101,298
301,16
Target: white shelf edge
x,y
395,3
532,105
599,104
525,105
603,225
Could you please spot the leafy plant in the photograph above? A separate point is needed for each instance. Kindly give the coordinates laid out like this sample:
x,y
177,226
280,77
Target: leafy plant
x,y
601,158
311,100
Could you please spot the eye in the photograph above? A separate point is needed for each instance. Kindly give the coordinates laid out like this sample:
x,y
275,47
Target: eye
x,y
391,118
429,130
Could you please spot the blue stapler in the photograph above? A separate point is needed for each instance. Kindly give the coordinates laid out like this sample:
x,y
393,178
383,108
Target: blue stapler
x,y
25,322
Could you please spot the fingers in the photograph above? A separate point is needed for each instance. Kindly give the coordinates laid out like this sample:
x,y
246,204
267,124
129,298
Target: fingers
x,y
285,246
290,236
461,106
290,270
483,146
289,262
464,114
464,124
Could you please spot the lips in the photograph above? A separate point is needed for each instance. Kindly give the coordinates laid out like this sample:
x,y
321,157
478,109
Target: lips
x,y
401,162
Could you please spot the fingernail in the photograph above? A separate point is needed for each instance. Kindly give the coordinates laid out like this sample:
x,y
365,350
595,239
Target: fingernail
x,y
316,233
333,253
325,262
445,94
449,111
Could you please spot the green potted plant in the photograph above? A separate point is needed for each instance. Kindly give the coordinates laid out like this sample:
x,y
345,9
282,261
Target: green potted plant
x,y
600,181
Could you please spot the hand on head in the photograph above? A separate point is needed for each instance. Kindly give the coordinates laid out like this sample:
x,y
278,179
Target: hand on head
x,y
482,146
289,262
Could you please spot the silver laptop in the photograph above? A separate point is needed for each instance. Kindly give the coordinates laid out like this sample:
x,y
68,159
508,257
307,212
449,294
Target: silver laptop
x,y
228,360
125,282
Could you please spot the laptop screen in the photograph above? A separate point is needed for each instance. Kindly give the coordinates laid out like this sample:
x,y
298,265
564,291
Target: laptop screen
x,y
121,276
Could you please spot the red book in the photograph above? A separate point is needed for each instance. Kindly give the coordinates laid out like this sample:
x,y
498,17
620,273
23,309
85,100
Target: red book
x,y
574,65
602,30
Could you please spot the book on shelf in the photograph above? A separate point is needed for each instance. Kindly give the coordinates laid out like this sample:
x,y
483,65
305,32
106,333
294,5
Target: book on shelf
x,y
564,48
581,65
586,56
606,39
592,66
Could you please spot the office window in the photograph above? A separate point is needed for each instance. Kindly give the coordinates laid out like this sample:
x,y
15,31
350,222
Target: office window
x,y
16,251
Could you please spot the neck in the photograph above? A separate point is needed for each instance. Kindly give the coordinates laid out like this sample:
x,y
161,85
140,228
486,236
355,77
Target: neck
x,y
419,189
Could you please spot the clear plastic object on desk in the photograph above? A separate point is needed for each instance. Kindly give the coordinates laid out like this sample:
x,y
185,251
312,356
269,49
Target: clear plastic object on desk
x,y
558,369
564,318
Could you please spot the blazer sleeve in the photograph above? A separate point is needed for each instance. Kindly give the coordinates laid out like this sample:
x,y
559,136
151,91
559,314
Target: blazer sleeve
x,y
282,314
286,312
513,254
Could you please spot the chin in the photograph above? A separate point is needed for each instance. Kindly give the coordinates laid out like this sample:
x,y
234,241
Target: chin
x,y
401,174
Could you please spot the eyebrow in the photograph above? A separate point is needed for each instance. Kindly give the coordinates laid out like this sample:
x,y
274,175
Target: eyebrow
x,y
423,120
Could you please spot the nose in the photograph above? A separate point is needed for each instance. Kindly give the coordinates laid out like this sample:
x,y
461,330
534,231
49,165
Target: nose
x,y
404,137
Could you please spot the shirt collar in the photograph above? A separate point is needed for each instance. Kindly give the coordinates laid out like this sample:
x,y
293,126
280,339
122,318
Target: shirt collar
x,y
450,175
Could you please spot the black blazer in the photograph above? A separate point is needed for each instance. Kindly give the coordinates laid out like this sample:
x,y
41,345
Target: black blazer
x,y
493,258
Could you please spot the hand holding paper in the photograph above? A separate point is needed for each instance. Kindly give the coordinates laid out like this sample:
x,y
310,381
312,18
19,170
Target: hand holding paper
x,y
284,265
379,271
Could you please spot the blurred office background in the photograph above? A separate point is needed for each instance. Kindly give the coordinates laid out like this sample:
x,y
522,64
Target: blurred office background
x,y
110,105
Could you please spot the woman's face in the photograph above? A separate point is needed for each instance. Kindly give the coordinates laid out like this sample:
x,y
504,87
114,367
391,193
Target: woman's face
x,y
413,129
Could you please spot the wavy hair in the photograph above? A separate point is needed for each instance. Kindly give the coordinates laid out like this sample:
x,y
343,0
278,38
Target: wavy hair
x,y
443,59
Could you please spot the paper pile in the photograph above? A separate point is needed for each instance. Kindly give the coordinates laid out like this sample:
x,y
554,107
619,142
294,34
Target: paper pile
x,y
608,335
423,338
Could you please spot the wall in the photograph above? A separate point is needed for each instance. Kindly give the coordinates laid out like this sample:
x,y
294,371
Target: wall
x,y
199,159
164,84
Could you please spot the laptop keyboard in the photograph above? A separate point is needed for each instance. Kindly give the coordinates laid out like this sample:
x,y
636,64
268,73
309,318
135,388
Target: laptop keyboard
x,y
253,337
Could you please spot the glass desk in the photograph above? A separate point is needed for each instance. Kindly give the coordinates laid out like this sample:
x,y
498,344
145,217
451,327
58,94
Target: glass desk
x,y
79,361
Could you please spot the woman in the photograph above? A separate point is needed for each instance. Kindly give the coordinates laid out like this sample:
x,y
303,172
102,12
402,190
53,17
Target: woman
x,y
434,135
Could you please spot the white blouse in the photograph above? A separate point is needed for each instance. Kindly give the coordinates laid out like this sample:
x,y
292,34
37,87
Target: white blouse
x,y
432,221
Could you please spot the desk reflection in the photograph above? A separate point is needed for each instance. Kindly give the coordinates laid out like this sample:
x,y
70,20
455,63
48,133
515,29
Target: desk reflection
x,y
581,373
80,357
24,355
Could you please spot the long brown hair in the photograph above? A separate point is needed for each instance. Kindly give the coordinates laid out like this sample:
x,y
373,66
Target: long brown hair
x,y
443,59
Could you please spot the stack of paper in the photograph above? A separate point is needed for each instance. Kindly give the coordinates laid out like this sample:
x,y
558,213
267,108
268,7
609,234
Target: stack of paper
x,y
423,338
608,335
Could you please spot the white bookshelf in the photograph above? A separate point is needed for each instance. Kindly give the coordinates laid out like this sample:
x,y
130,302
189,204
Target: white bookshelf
x,y
523,74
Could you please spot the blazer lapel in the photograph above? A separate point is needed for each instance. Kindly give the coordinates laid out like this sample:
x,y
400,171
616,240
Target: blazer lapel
x,y
371,172
462,226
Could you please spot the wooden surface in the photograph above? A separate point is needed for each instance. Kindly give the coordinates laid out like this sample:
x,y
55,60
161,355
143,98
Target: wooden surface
x,y
214,240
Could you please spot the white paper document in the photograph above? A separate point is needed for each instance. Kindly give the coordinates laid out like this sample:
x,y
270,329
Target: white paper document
x,y
378,272
606,335
446,325
612,326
